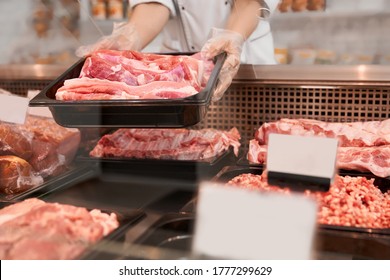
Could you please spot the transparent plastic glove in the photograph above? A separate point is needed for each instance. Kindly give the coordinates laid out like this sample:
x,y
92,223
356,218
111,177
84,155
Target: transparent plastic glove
x,y
123,37
231,42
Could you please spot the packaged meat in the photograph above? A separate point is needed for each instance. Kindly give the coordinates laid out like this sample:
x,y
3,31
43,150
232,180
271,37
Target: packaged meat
x,y
15,140
54,146
17,175
363,146
352,134
33,229
34,151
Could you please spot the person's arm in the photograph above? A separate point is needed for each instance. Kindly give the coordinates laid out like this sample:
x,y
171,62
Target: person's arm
x,y
244,17
149,19
145,23
242,21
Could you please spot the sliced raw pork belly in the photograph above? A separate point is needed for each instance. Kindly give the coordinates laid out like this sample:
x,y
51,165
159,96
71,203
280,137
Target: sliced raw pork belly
x,y
95,89
108,74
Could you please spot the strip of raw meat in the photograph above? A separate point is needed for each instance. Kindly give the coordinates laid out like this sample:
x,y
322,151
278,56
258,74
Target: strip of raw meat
x,y
179,144
356,134
86,89
373,159
135,68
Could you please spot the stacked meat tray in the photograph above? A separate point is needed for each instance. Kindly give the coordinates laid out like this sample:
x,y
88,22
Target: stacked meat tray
x,y
124,125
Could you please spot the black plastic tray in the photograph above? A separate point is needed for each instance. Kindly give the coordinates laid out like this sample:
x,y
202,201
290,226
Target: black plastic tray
x,y
183,170
229,172
75,174
171,231
175,232
127,219
168,113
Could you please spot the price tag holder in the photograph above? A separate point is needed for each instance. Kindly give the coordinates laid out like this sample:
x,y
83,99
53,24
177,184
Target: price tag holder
x,y
301,162
234,223
38,111
13,108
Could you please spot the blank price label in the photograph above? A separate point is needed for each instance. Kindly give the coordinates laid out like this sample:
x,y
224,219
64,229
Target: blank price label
x,y
308,160
13,108
234,223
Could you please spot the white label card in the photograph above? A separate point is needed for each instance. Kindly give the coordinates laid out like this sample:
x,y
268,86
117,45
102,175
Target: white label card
x,y
38,111
13,108
234,223
308,156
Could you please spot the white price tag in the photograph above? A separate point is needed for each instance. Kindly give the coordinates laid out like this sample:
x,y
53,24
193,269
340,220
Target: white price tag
x,y
304,159
13,108
38,111
234,223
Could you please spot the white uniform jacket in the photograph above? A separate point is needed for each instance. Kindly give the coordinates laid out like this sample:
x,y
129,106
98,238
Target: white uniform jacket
x,y
192,20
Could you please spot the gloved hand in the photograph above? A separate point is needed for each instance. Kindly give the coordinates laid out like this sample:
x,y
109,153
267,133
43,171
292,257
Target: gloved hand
x,y
123,37
231,42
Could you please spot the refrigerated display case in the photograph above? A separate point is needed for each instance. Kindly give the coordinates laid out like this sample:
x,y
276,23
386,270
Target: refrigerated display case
x,y
162,210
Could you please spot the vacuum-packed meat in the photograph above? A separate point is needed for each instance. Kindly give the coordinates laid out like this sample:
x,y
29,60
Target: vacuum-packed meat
x,y
54,146
17,175
35,150
15,140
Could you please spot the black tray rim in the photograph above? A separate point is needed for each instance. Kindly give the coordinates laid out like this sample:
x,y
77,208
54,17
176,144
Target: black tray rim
x,y
156,162
75,174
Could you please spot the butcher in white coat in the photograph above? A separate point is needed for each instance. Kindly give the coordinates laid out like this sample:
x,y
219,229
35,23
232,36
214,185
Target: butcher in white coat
x,y
237,27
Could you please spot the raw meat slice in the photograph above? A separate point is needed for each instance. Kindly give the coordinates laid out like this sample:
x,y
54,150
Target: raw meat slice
x,y
93,89
356,134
